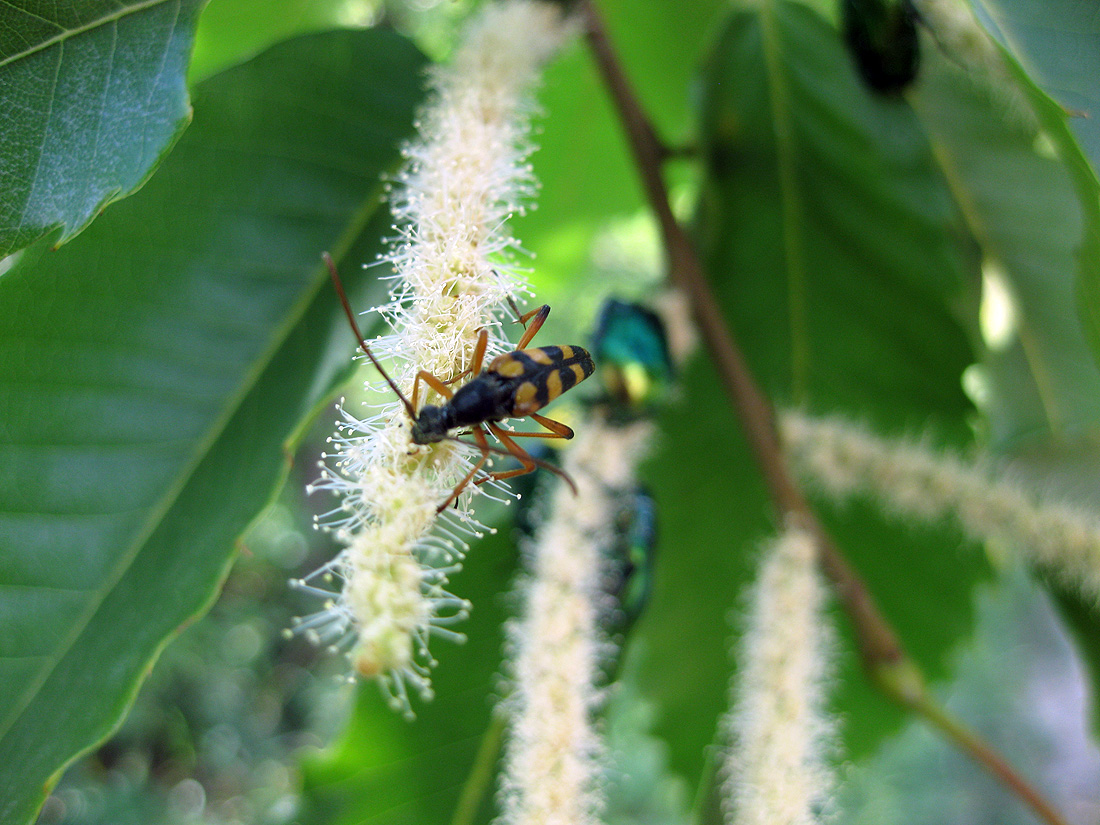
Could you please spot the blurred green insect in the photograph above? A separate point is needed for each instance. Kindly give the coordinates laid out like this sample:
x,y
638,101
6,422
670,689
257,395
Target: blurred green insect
x,y
632,350
630,557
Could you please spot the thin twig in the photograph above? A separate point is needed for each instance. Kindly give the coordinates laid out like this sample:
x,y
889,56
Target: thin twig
x,y
983,753
883,656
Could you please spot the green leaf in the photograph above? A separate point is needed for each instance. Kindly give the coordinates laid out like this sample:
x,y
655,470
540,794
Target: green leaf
x,y
832,245
1033,205
1053,50
152,371
1021,205
231,31
842,298
1058,44
93,96
1088,194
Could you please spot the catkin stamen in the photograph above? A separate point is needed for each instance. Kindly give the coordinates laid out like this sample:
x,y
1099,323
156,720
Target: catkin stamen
x,y
552,762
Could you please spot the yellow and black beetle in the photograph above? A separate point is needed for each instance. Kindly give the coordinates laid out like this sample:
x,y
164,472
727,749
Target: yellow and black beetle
x,y
514,385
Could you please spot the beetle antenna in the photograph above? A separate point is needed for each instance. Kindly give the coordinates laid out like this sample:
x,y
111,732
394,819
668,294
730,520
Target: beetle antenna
x,y
355,327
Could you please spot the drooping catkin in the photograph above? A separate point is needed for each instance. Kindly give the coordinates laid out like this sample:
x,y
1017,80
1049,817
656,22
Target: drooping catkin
x,y
914,480
775,770
454,260
552,763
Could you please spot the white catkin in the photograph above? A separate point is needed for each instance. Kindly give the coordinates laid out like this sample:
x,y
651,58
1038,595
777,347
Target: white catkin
x,y
775,770
914,480
453,258
553,755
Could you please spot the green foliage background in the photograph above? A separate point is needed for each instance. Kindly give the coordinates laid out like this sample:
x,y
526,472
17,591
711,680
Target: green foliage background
x,y
159,371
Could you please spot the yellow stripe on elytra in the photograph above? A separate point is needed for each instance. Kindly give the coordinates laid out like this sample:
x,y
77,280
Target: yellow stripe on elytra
x,y
539,356
507,366
526,399
578,371
566,352
553,385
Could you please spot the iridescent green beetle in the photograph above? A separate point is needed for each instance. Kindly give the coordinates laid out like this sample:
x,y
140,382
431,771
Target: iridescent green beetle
x,y
635,368
631,555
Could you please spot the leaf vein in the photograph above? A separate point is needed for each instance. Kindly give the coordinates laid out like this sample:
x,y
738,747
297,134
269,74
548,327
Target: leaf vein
x,y
65,34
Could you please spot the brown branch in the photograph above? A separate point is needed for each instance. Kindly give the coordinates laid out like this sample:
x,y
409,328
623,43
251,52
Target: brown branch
x,y
878,643
883,656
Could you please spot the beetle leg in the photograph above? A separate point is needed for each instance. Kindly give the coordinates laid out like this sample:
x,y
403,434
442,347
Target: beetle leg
x,y
479,351
433,382
522,318
522,457
483,445
557,429
529,333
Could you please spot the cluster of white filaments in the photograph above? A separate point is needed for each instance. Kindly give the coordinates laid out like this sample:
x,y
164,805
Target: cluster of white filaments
x,y
453,259
552,766
914,480
776,767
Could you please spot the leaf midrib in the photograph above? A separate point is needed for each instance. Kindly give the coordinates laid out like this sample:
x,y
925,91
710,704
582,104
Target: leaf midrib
x,y
791,198
65,34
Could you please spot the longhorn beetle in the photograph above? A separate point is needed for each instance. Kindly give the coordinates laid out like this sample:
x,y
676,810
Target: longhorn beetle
x,y
514,385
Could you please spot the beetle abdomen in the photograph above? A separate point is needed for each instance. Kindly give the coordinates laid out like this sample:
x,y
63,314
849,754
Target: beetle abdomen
x,y
541,374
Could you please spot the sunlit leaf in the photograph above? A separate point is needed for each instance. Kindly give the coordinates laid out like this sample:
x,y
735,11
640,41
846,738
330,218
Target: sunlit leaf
x,y
1038,236
1022,208
92,95
1053,52
1058,44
